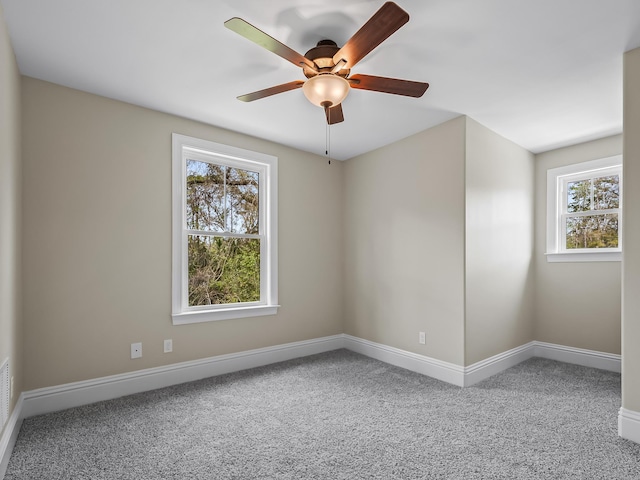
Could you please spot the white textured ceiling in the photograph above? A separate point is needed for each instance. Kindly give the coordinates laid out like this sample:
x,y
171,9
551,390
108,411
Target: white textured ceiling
x,y
542,73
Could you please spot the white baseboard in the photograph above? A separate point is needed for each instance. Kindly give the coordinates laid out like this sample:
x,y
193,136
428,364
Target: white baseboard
x,y
578,356
445,371
432,367
490,366
629,425
10,435
51,399
467,376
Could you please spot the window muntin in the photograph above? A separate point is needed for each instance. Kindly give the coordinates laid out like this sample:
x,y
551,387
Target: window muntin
x,y
590,209
584,211
221,198
224,253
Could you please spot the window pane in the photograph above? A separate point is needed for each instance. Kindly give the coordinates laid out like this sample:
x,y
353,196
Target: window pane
x,y
606,192
579,196
592,231
243,199
223,270
205,196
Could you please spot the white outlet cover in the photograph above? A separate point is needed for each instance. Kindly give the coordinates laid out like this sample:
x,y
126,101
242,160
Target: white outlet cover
x,y
168,345
136,350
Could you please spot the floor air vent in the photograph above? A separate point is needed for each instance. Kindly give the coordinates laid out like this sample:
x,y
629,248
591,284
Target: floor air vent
x,y
4,393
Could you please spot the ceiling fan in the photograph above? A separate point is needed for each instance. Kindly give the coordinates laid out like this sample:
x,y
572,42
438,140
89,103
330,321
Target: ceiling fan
x,y
328,67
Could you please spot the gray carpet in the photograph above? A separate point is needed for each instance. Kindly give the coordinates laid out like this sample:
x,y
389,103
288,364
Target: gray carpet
x,y
340,415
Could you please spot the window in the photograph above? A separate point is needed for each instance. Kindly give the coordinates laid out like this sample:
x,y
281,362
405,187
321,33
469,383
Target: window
x,y
224,232
584,211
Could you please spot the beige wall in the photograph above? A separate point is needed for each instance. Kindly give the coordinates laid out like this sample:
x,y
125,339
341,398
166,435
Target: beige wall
x,y
404,243
571,310
10,327
410,237
498,244
429,246
97,248
631,234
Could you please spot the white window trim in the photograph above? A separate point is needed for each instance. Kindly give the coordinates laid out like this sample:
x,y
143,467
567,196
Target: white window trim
x,y
267,165
555,176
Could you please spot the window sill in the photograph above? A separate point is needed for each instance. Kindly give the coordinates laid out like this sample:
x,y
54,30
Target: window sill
x,y
186,318
571,257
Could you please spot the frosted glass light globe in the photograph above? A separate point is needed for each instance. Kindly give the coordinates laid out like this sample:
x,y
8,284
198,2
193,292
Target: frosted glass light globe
x,y
326,89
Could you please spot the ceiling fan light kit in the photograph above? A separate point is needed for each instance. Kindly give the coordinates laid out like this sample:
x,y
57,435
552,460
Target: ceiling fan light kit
x,y
326,90
327,66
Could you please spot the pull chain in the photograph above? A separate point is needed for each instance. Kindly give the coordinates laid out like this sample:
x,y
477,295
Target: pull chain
x,y
327,150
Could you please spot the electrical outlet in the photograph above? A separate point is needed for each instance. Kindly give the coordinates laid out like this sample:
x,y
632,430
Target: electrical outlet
x,y
136,350
11,388
422,338
168,345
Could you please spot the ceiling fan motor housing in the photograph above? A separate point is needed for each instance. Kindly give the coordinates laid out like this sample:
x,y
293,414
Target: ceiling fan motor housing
x,y
322,55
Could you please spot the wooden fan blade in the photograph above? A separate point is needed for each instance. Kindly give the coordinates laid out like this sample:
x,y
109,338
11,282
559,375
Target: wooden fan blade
x,y
388,85
257,36
334,114
267,92
384,22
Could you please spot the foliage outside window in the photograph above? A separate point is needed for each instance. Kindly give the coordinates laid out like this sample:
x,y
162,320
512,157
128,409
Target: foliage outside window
x,y
224,252
585,211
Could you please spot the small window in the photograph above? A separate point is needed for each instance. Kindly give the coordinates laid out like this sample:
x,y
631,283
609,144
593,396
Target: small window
x,y
584,211
224,232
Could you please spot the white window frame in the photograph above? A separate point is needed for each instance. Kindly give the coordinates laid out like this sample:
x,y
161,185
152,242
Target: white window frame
x,y
267,165
557,179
